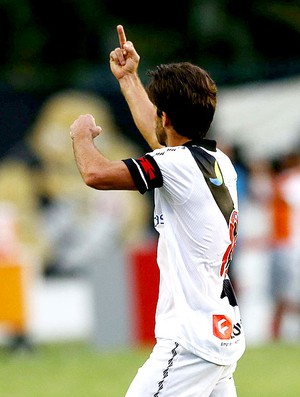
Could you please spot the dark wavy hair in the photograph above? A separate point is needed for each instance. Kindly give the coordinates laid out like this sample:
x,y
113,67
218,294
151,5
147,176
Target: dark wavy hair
x,y
187,94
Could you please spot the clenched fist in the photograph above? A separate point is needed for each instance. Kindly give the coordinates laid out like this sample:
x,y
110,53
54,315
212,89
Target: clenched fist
x,y
85,125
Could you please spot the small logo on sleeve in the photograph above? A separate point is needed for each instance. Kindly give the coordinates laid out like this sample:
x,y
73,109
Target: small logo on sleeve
x,y
222,326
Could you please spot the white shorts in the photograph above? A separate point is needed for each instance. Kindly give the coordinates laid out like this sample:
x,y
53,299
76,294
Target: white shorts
x,y
172,371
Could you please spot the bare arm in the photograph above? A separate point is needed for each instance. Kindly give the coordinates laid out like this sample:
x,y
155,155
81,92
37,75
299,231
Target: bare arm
x,y
96,170
124,62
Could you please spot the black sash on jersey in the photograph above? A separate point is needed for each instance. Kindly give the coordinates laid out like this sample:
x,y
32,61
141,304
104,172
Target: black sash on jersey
x,y
206,164
220,192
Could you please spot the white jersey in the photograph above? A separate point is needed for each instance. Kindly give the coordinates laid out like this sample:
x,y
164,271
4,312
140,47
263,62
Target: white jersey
x,y
196,217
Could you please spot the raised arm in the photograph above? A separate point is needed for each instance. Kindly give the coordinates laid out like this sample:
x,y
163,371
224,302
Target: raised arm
x,y
96,170
124,62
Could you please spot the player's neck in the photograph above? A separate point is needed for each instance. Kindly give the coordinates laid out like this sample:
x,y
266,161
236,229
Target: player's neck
x,y
175,139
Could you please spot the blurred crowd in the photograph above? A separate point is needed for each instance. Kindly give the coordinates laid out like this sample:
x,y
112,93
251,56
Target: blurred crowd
x,y
266,267
51,222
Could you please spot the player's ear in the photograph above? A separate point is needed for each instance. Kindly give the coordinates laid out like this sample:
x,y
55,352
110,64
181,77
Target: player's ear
x,y
165,119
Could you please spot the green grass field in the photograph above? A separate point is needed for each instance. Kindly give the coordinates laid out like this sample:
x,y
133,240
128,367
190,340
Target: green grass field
x,y
75,370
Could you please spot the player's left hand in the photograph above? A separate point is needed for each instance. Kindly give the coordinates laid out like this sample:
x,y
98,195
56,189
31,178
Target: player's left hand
x,y
85,125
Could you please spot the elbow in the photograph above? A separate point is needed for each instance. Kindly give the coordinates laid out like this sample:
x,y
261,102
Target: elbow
x,y
92,180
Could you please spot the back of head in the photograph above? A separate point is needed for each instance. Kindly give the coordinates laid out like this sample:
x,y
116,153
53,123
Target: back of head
x,y
187,94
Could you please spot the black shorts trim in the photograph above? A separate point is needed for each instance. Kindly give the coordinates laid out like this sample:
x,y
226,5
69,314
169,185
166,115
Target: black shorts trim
x,y
166,371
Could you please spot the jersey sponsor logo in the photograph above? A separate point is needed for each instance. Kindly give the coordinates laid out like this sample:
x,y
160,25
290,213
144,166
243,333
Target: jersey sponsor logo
x,y
224,329
222,326
237,329
147,167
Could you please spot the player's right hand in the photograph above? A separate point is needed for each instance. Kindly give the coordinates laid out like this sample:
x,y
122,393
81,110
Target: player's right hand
x,y
124,60
85,125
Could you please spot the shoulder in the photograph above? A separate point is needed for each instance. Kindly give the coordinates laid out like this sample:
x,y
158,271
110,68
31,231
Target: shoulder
x,y
174,160
225,162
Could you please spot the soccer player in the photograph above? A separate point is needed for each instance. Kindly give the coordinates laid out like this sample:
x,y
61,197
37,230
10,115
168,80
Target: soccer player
x,y
199,334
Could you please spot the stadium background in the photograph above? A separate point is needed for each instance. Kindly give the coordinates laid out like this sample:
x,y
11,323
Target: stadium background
x,y
50,45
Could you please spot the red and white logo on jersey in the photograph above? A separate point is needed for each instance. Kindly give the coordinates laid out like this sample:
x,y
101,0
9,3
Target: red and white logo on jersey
x,y
222,326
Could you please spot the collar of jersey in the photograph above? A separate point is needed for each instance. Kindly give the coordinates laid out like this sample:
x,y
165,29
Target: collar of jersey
x,y
208,144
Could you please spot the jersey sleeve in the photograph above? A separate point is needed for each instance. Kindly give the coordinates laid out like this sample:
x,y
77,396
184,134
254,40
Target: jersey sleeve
x,y
171,169
145,173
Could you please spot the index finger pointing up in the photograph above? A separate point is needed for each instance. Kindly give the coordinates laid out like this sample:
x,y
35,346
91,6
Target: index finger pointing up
x,y
121,34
